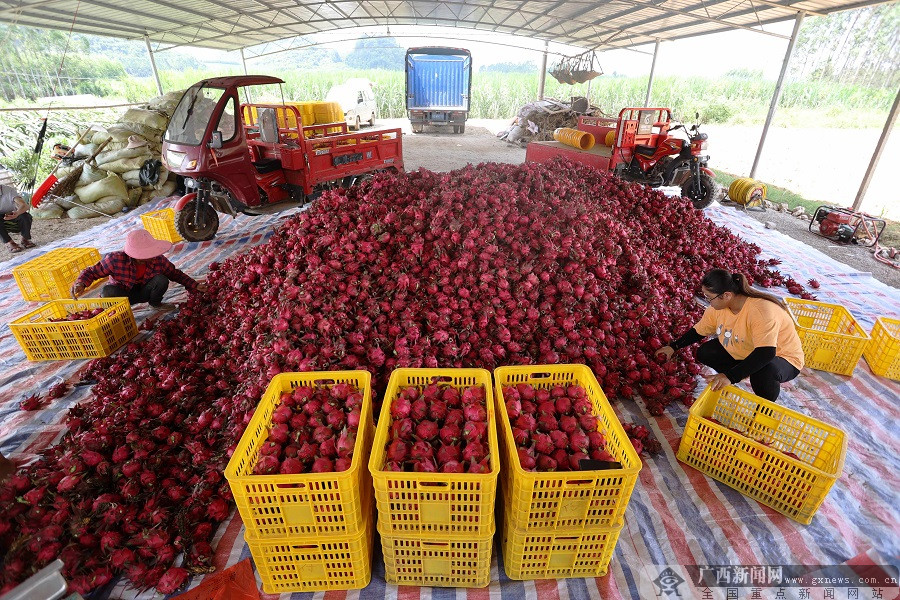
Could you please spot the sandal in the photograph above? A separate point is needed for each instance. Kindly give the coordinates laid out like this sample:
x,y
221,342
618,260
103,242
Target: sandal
x,y
13,247
28,244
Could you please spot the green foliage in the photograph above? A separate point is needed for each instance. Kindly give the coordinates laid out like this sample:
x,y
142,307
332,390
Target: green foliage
x,y
132,55
32,64
376,53
508,67
22,165
851,47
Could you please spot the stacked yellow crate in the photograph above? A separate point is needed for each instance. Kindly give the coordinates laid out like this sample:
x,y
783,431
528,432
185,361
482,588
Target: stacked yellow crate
x,y
311,531
562,524
436,529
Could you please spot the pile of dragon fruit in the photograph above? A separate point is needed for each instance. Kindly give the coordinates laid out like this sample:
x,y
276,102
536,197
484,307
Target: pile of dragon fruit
x,y
486,266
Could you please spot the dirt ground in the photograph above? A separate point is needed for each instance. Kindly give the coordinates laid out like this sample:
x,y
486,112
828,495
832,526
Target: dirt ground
x,y
441,150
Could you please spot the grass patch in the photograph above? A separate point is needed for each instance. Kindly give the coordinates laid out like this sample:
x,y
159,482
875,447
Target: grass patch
x,y
778,195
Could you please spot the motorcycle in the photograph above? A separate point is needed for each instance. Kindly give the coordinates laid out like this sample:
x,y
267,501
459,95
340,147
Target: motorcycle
x,y
675,162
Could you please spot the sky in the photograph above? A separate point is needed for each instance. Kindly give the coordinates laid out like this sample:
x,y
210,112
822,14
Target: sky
x,y
709,55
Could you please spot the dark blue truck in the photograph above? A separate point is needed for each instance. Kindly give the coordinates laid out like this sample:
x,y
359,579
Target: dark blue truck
x,y
438,87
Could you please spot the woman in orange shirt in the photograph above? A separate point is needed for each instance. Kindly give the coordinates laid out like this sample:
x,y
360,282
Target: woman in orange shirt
x,y
754,336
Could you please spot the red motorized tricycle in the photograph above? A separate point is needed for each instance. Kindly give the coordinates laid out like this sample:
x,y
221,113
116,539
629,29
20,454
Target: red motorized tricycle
x,y
640,146
258,158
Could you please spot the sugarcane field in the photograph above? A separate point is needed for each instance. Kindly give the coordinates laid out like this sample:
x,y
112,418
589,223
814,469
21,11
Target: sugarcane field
x,y
420,300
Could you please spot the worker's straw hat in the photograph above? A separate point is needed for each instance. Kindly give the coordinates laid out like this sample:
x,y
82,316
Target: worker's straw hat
x,y
141,245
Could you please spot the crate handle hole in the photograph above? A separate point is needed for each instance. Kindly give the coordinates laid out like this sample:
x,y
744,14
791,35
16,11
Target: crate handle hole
x,y
294,486
324,382
441,379
441,544
578,482
539,375
567,537
434,483
305,547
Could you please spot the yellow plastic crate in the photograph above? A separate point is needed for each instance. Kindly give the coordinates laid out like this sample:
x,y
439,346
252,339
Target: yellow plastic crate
x,y
42,339
306,564
793,487
436,561
277,506
883,351
565,500
51,275
832,339
161,225
434,504
557,554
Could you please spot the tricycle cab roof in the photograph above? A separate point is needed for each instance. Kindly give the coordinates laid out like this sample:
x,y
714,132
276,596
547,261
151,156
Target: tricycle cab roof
x,y
239,80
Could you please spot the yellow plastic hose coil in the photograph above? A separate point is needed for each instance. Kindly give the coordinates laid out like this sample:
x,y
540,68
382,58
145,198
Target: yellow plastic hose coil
x,y
745,189
574,137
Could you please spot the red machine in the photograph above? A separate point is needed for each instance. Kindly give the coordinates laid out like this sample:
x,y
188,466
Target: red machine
x,y
254,158
639,146
847,225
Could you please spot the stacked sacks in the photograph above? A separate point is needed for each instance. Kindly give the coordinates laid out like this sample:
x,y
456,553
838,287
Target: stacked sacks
x,y
128,172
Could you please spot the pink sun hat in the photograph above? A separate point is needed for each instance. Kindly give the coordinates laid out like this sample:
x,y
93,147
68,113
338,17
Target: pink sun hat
x,y
141,245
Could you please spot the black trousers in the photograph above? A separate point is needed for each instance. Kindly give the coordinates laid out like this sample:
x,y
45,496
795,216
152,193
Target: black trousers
x,y
151,292
766,382
22,224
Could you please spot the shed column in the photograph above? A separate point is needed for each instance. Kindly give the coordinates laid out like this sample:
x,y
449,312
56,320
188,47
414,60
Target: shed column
x,y
652,71
159,87
246,88
777,95
543,71
876,156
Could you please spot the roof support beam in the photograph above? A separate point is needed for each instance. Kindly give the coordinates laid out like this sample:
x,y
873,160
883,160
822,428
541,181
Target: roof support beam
x,y
543,78
652,71
246,87
159,87
684,13
876,156
776,96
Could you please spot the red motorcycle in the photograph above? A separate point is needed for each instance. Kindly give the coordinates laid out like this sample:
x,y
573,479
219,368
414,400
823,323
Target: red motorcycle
x,y
675,161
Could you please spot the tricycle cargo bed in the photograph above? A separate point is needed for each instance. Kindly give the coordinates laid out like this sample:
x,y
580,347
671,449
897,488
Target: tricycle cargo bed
x,y
598,156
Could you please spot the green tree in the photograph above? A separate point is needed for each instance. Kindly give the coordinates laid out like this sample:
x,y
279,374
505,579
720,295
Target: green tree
x,y
376,53
852,47
508,67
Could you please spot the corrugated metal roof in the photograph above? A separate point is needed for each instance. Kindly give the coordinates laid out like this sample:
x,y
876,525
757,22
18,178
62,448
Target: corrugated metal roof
x,y
234,24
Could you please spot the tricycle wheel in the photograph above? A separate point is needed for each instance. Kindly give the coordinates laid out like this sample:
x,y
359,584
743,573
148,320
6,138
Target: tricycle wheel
x,y
203,228
704,195
417,128
462,128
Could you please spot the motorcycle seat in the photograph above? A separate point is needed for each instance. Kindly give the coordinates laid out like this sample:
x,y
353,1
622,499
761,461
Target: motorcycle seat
x,y
644,150
267,165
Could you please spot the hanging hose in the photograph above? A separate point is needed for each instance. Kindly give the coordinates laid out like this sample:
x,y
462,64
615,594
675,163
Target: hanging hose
x,y
574,137
747,191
